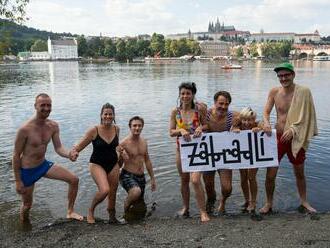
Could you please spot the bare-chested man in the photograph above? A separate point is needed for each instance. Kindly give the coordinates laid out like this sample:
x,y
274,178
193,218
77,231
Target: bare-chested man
x,y
134,151
219,119
29,161
295,126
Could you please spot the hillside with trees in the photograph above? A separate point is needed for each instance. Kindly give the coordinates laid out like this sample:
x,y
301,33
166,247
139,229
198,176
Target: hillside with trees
x,y
15,38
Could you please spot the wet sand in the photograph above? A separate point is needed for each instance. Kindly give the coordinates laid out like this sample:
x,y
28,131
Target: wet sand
x,y
277,230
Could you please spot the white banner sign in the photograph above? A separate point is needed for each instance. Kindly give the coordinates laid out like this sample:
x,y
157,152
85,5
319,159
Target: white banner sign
x,y
229,150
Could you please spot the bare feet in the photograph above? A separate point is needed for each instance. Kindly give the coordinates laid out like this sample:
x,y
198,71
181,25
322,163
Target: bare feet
x,y
266,209
306,207
90,219
74,216
221,207
204,217
244,207
251,207
210,206
254,216
184,213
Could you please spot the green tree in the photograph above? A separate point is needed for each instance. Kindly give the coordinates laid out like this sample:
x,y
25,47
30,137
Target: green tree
x,y
5,43
157,44
39,46
109,48
167,47
95,47
194,47
174,48
4,48
13,10
223,38
268,50
143,48
284,48
253,50
239,52
276,50
19,46
241,40
183,47
121,50
131,49
82,46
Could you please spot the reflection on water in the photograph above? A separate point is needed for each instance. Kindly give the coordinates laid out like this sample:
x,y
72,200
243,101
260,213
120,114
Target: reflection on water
x,y
79,90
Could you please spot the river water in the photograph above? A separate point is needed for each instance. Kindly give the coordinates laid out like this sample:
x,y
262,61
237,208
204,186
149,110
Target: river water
x,y
79,90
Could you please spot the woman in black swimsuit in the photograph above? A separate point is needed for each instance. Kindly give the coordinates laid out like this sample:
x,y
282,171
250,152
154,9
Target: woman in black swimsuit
x,y
103,164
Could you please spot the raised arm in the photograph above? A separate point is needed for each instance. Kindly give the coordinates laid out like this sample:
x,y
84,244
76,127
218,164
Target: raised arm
x,y
150,169
20,142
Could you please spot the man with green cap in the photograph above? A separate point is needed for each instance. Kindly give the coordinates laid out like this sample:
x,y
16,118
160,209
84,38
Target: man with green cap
x,y
295,126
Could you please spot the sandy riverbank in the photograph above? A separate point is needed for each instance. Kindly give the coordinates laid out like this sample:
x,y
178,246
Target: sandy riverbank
x,y
278,230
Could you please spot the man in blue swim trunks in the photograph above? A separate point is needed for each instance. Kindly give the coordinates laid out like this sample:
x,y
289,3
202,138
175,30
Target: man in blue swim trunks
x,y
134,152
29,161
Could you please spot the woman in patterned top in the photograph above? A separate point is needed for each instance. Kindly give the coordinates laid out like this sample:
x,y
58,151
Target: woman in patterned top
x,y
186,121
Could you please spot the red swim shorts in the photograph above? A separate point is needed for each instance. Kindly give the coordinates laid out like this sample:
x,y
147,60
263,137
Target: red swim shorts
x,y
285,148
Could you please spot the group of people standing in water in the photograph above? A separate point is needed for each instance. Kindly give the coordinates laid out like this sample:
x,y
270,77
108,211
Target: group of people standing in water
x,y
114,161
295,126
131,154
192,118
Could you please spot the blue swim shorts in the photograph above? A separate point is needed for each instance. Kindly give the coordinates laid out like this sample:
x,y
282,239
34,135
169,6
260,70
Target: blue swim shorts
x,y
30,175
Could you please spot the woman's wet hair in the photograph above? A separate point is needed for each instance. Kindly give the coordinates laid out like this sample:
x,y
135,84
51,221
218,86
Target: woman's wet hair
x,y
188,86
223,93
247,113
108,106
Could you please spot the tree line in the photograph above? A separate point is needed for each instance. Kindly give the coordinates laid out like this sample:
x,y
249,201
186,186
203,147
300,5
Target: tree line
x,y
127,49
16,38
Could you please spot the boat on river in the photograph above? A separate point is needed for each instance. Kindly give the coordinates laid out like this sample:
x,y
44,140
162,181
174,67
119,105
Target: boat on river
x,y
322,58
187,57
231,66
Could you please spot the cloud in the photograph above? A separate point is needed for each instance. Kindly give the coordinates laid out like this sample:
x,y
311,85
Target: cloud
x,y
134,16
51,16
279,15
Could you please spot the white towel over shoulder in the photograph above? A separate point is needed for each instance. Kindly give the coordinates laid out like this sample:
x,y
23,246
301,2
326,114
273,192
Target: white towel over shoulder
x,y
301,118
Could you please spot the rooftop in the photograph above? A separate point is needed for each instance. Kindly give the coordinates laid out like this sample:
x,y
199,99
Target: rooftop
x,y
63,42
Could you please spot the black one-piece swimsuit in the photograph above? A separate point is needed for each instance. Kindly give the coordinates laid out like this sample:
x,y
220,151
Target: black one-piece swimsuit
x,y
104,154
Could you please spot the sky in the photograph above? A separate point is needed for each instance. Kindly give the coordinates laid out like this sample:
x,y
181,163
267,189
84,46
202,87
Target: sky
x,y
133,17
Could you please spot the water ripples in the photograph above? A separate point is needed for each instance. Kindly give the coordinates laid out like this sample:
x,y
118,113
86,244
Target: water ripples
x,y
79,90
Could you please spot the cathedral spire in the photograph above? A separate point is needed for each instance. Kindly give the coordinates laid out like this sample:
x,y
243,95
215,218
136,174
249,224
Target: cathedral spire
x,y
217,26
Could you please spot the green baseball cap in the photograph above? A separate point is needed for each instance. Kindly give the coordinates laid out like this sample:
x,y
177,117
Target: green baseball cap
x,y
284,66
